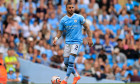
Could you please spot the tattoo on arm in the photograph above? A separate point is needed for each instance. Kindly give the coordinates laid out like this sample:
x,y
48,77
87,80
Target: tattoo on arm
x,y
86,26
59,33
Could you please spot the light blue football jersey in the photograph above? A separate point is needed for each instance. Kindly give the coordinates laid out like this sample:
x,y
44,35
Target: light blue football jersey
x,y
73,27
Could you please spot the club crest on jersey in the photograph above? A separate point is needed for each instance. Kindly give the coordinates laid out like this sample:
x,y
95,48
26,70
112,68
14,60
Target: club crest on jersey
x,y
75,21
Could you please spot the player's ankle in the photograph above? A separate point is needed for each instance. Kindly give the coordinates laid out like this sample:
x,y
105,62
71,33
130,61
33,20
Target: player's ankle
x,y
66,78
76,75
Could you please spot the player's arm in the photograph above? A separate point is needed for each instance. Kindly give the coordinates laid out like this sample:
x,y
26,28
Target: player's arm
x,y
59,33
89,33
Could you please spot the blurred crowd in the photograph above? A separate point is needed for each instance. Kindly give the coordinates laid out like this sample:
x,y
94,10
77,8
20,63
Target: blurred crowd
x,y
27,28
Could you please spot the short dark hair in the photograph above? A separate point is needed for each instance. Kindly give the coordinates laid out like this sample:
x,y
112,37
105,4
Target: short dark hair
x,y
69,3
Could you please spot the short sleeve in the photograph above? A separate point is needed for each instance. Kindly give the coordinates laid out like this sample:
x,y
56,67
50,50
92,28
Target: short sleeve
x,y
82,19
61,26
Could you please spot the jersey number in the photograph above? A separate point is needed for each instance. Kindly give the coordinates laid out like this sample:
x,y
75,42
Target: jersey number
x,y
76,47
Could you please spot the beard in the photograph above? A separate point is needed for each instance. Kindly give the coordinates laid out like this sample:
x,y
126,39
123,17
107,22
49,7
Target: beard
x,y
70,12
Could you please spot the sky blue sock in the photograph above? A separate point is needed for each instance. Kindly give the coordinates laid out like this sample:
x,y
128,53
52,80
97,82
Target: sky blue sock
x,y
69,71
70,68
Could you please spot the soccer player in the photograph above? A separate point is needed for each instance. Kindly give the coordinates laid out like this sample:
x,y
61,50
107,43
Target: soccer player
x,y
72,24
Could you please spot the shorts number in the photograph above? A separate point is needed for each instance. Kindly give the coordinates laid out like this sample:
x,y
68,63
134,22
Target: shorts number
x,y
76,47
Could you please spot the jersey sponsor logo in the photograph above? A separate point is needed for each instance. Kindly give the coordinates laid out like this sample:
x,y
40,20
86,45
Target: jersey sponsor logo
x,y
71,27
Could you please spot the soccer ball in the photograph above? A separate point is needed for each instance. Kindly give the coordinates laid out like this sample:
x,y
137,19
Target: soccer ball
x,y
56,80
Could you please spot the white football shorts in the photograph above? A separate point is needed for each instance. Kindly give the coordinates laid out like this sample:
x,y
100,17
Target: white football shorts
x,y
71,49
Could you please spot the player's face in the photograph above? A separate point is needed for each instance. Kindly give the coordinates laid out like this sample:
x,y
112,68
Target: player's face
x,y
70,9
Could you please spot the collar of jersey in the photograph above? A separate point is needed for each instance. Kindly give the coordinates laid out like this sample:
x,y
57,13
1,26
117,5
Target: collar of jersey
x,y
71,16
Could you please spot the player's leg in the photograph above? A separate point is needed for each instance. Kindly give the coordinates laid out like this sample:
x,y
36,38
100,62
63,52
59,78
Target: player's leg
x,y
69,61
74,51
71,64
66,60
73,54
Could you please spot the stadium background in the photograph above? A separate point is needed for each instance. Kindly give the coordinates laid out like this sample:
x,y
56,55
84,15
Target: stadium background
x,y
28,27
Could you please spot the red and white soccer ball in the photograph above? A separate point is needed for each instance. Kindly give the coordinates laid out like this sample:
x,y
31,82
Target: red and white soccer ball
x,y
56,80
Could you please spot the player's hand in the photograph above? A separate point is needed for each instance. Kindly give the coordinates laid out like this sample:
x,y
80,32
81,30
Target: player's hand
x,y
90,43
54,42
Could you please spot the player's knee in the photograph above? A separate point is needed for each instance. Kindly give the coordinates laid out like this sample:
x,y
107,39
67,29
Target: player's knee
x,y
71,59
